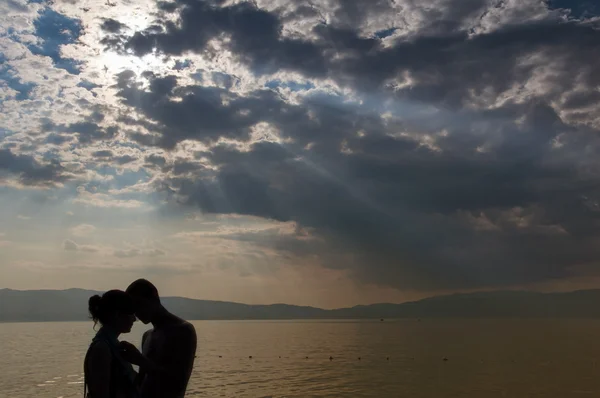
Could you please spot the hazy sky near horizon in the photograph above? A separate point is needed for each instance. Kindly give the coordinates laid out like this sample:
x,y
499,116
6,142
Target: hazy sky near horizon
x,y
329,153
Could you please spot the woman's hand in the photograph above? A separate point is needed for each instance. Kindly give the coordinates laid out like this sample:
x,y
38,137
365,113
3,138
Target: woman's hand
x,y
131,354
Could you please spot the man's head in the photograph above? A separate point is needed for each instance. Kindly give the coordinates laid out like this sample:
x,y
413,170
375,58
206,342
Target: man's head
x,y
146,299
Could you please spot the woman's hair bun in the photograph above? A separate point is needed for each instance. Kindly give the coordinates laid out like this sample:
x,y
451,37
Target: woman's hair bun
x,y
95,307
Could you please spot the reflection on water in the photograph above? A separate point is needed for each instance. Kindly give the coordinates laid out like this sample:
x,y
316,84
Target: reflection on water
x,y
432,358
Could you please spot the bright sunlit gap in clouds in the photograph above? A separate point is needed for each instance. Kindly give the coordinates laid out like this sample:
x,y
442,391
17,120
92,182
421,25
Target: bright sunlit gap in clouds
x,y
113,63
325,155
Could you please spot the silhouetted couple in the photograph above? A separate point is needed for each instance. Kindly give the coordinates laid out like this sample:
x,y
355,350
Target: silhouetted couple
x,y
168,349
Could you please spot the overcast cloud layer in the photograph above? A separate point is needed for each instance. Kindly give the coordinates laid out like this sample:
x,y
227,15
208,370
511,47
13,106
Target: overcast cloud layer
x,y
399,146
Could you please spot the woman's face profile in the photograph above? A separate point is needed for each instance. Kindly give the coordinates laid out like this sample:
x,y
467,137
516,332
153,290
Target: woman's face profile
x,y
124,322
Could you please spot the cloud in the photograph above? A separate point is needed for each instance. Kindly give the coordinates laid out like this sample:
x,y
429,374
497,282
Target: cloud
x,y
71,246
448,39
577,8
155,252
14,82
431,145
102,200
86,132
199,113
112,25
102,154
55,30
31,172
391,206
255,37
82,230
135,252
127,253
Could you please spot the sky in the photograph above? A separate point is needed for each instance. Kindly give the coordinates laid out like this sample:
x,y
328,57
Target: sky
x,y
326,152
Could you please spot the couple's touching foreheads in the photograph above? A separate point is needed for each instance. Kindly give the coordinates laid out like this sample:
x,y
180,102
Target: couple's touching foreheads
x,y
167,353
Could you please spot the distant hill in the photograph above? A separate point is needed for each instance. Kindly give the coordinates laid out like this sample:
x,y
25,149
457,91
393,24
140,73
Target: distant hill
x,y
71,305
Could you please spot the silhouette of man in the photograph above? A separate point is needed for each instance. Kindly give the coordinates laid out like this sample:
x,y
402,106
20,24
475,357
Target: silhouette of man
x,y
170,344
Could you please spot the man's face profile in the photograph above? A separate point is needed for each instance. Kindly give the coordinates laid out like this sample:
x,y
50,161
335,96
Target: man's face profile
x,y
143,309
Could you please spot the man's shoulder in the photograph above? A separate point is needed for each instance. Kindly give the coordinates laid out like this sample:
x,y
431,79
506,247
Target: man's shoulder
x,y
183,332
186,327
186,324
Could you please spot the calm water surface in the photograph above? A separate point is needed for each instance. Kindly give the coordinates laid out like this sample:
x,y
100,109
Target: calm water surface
x,y
485,358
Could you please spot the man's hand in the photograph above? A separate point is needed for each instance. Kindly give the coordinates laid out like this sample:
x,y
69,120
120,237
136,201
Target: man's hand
x,y
131,354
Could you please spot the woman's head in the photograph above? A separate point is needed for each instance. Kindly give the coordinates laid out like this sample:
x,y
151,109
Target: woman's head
x,y
114,309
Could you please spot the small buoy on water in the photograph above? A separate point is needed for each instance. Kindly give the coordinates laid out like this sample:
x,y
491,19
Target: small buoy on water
x,y
331,358
220,356
359,358
306,357
388,358
250,357
381,319
445,359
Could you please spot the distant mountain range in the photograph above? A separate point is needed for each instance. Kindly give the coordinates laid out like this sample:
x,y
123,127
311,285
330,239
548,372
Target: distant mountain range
x,y
71,305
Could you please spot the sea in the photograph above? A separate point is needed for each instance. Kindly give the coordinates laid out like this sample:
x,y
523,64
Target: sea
x,y
433,358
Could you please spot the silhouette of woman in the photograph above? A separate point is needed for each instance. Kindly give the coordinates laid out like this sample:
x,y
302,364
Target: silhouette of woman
x,y
106,372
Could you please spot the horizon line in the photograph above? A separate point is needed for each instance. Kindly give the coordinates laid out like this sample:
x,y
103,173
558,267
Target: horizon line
x,y
326,309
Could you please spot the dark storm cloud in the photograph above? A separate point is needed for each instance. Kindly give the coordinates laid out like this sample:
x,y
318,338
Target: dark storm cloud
x,y
155,160
255,33
176,113
445,61
103,154
30,171
89,132
112,25
108,156
441,194
86,131
121,160
438,16
201,112
394,208
393,201
452,67
57,139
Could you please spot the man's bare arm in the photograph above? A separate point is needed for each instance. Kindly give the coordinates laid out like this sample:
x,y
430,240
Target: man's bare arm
x,y
142,372
182,357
